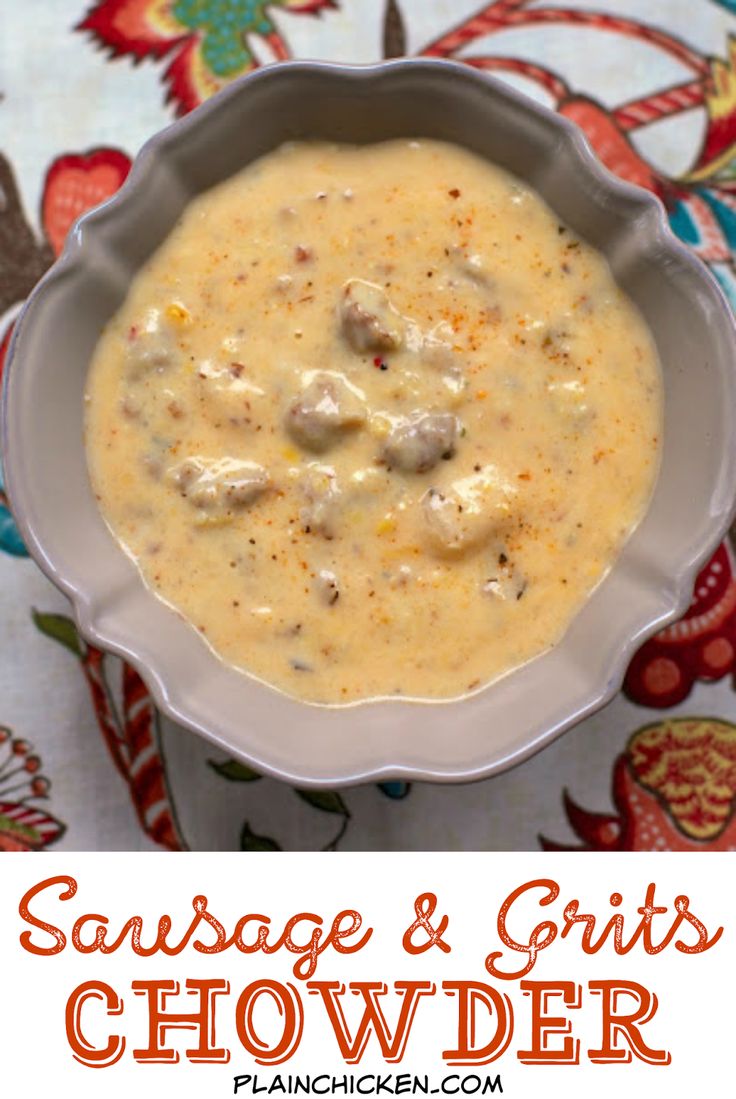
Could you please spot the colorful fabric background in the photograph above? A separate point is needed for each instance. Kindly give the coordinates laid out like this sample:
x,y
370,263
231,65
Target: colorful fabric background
x,y
85,761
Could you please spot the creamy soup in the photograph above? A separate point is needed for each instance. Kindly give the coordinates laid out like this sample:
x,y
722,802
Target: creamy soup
x,y
374,421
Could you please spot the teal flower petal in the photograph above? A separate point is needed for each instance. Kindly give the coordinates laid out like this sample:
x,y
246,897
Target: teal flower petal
x,y
10,540
394,790
724,215
683,225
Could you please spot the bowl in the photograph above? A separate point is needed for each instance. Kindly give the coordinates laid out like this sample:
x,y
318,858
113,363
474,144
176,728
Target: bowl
x,y
650,583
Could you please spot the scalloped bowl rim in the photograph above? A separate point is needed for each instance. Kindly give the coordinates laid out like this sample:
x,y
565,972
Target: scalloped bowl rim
x,y
248,741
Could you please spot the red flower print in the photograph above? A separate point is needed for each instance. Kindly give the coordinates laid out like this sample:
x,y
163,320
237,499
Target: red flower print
x,y
702,645
209,42
129,724
23,826
674,789
74,184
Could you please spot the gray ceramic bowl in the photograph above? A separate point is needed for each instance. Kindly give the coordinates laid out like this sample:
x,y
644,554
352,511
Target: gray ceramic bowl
x,y
650,583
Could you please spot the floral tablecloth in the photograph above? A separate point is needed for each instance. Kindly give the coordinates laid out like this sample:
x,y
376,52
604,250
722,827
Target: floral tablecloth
x,y
85,761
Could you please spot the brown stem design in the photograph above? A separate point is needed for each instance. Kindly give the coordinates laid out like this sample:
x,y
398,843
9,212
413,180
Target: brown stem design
x,y
22,258
394,31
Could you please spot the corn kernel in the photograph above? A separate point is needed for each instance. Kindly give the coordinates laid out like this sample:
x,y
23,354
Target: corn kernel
x,y
177,313
379,426
206,520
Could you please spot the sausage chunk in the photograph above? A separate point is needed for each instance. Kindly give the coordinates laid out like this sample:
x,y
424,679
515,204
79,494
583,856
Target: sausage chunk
x,y
468,514
327,587
504,581
369,320
217,487
417,444
437,348
325,410
227,393
471,267
150,347
569,401
322,500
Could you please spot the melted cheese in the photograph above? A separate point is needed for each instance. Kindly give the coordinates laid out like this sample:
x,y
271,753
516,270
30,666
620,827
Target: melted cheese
x,y
373,421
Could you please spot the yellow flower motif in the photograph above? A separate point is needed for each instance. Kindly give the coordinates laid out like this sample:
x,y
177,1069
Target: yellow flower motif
x,y
717,160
